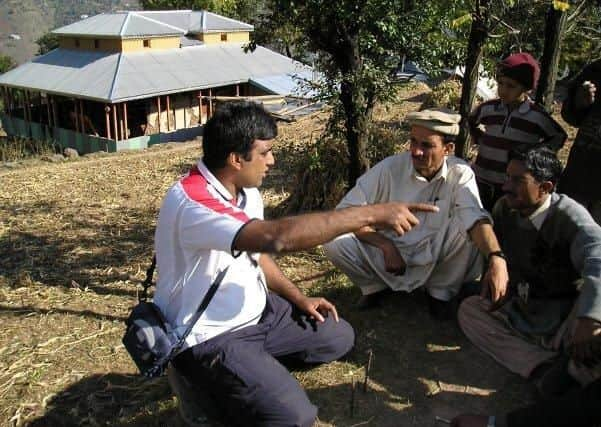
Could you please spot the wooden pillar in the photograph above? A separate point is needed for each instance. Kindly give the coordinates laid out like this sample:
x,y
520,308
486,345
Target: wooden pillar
x,y
48,110
210,112
238,90
159,111
168,113
114,107
26,111
200,107
81,120
54,113
125,119
121,127
76,116
107,116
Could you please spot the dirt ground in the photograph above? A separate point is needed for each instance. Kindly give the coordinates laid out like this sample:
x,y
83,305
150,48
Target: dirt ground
x,y
75,240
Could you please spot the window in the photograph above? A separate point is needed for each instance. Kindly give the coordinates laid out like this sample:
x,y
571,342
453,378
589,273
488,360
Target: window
x,y
146,42
96,44
223,37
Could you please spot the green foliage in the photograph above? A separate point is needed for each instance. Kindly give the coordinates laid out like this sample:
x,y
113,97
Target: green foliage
x,y
6,63
446,94
47,43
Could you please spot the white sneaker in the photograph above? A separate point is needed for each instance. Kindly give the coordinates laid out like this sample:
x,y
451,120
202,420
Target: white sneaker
x,y
188,396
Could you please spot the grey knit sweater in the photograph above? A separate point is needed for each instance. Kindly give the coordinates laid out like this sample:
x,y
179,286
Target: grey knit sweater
x,y
561,260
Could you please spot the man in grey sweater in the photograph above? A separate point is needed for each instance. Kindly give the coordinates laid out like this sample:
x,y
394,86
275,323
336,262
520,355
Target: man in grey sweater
x,y
553,252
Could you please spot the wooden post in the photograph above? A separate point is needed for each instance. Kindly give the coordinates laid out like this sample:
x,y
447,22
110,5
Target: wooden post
x,y
159,111
76,115
54,114
107,111
121,129
81,118
48,110
114,107
238,90
125,119
200,107
210,112
168,113
27,106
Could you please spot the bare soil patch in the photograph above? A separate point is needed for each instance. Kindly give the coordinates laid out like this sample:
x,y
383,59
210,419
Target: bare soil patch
x,y
75,240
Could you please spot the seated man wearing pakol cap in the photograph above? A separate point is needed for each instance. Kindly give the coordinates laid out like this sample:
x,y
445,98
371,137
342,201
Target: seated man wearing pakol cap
x,y
447,248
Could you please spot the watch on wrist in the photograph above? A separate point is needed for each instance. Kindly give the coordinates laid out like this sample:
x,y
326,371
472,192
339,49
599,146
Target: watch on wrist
x,y
500,254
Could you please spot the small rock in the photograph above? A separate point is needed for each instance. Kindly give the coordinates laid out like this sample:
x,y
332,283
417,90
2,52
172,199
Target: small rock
x,y
70,153
55,158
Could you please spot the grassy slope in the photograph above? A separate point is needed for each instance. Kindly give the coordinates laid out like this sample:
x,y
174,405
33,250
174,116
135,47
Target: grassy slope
x,y
75,239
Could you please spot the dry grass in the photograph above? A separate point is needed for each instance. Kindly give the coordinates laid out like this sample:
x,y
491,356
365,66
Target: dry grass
x,y
75,239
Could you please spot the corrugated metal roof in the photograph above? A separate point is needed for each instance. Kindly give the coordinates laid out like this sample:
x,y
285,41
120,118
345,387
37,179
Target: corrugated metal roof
x,y
205,21
67,72
151,23
292,84
115,77
106,24
176,18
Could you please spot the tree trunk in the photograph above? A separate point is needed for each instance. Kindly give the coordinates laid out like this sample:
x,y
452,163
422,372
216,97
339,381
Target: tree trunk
x,y
477,39
554,30
356,124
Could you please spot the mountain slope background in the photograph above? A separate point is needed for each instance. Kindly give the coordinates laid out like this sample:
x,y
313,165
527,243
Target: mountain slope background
x,y
31,19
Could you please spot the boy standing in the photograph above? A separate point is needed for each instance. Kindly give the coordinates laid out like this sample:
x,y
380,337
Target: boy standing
x,y
502,124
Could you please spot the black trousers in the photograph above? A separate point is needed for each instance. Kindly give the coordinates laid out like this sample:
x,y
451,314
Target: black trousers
x,y
244,377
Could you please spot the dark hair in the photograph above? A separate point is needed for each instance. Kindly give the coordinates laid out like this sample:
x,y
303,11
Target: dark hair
x,y
448,138
233,129
540,161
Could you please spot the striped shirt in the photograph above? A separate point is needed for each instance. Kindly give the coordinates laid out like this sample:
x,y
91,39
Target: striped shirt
x,y
497,131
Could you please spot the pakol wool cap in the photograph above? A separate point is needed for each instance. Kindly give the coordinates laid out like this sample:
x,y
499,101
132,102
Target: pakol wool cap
x,y
441,120
522,68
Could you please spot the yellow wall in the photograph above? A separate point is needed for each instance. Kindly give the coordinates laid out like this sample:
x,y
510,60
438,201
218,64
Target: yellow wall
x,y
118,45
236,37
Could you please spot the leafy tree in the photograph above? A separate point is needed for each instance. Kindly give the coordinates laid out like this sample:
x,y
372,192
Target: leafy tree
x,y
47,43
359,45
6,63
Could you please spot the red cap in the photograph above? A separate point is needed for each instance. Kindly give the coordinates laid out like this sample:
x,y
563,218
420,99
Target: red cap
x,y
521,67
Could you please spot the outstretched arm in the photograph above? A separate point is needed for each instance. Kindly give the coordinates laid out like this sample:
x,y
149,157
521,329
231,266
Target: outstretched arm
x,y
309,230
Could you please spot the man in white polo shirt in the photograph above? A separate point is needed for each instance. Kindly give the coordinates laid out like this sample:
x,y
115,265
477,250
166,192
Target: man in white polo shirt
x,y
212,220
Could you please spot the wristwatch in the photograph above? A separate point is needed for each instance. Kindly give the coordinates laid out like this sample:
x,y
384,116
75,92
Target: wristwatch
x,y
500,254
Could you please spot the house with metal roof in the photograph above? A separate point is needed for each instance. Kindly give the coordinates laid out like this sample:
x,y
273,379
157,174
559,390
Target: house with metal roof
x,y
131,79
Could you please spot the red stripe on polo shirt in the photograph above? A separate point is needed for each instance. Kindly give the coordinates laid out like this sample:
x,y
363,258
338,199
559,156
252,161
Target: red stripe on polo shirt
x,y
195,186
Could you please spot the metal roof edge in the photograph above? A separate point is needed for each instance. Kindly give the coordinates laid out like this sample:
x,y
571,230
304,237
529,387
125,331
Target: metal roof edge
x,y
115,76
125,21
163,24
53,92
170,92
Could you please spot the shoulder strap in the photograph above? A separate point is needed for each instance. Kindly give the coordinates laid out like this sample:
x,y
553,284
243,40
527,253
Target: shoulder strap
x,y
201,308
147,283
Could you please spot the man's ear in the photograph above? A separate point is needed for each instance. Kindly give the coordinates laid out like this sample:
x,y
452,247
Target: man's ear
x,y
234,160
547,187
449,148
